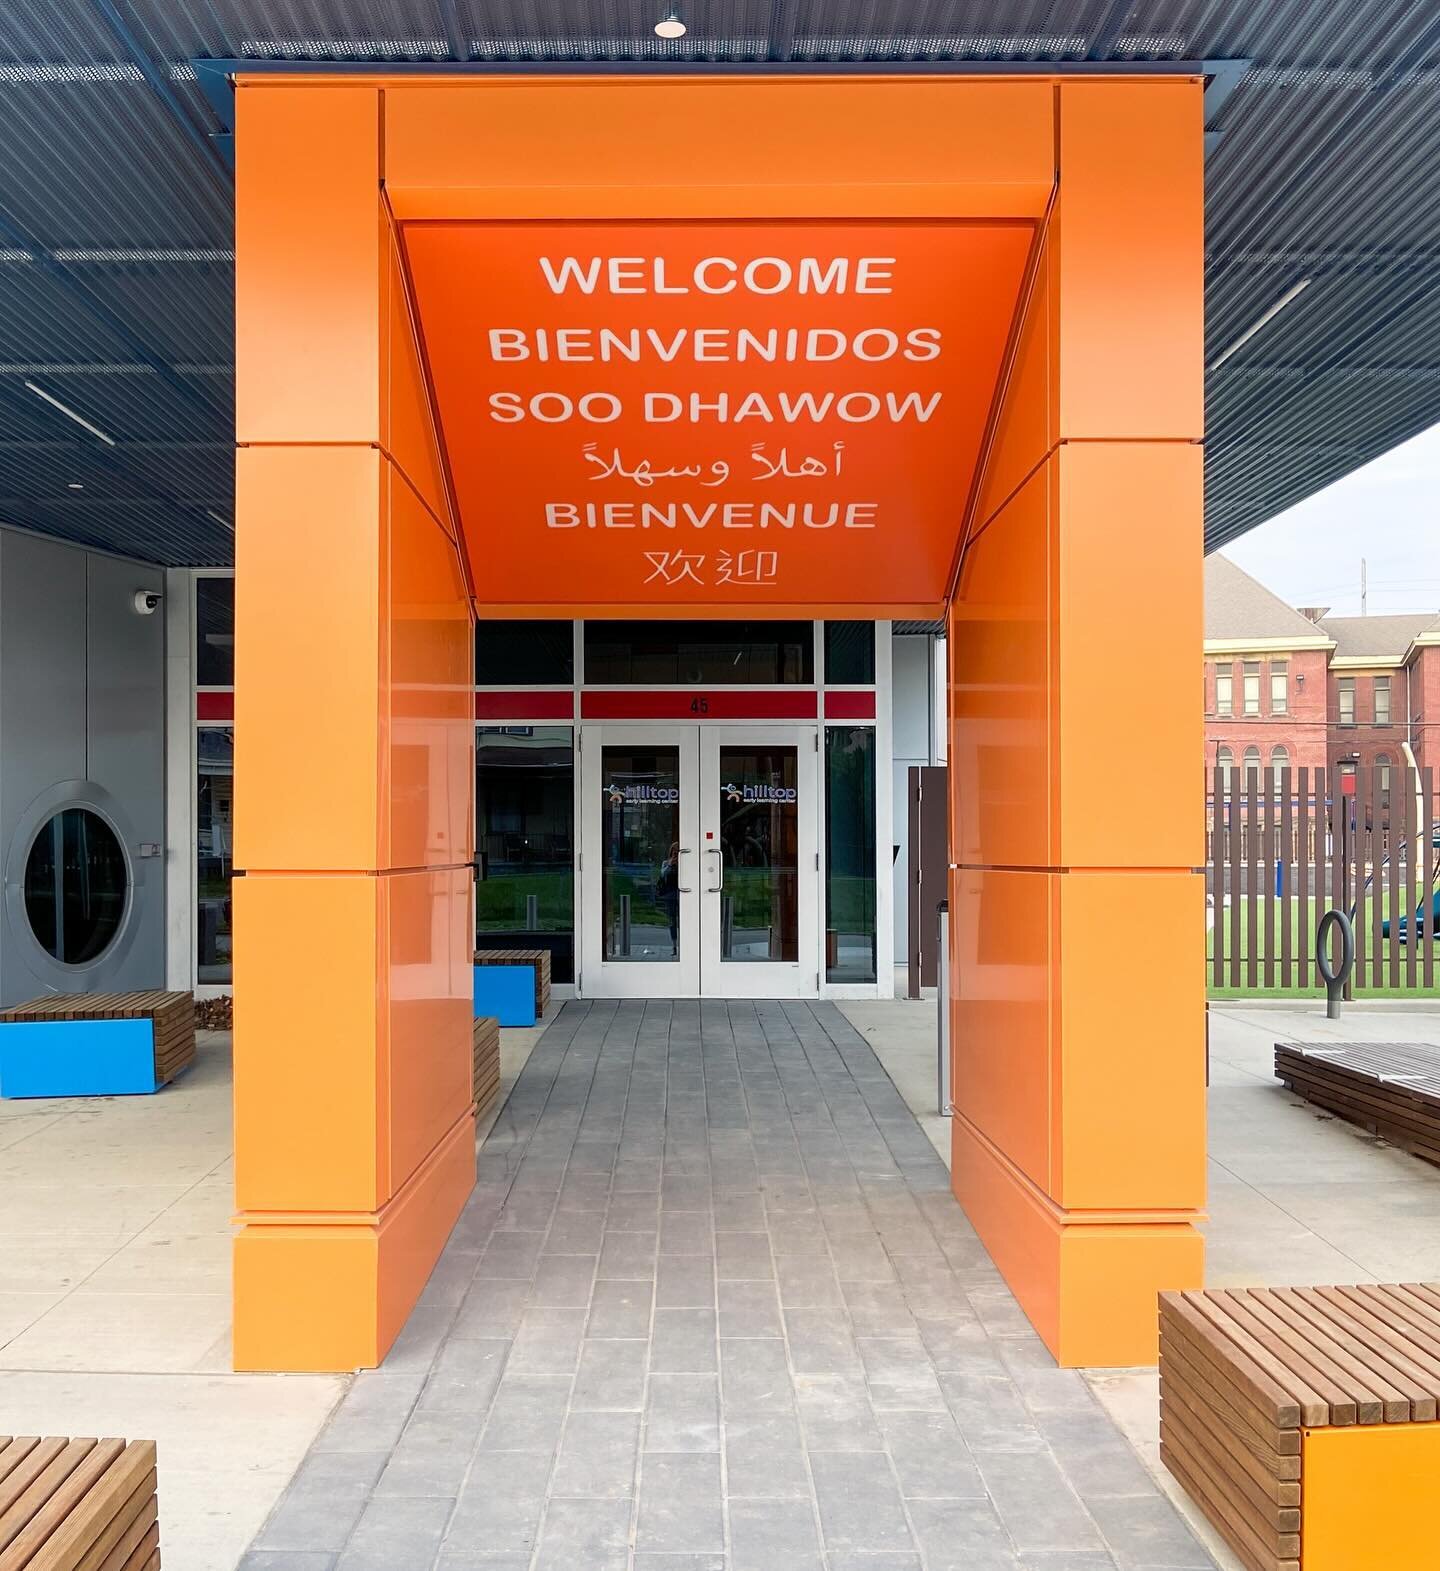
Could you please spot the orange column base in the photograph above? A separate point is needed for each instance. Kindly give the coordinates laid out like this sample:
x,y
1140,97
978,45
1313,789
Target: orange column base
x,y
330,1291
1088,1280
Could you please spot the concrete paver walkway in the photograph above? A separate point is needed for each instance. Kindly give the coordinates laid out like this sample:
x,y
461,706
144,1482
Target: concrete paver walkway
x,y
713,1308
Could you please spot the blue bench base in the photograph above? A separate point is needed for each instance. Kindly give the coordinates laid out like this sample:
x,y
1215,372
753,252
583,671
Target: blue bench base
x,y
77,1058
507,993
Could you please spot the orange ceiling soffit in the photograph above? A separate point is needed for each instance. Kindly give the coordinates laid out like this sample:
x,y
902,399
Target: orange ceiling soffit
x,y
745,147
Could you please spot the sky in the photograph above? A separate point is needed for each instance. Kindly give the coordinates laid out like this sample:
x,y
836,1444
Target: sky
x,y
1388,512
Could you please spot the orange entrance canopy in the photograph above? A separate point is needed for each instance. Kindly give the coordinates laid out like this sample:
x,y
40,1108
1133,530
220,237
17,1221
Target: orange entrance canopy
x,y
662,417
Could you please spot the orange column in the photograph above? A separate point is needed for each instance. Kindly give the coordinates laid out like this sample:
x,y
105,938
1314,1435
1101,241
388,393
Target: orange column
x,y
355,1143
1076,743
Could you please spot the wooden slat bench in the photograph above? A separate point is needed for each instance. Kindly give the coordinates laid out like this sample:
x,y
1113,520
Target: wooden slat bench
x,y
539,958
1306,1415
1389,1088
95,1044
485,1076
78,1505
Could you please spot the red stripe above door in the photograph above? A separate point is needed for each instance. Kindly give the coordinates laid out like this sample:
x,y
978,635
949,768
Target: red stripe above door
x,y
728,704
850,706
545,705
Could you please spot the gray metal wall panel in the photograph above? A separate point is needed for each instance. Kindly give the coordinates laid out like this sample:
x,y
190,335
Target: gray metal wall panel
x,y
81,720
42,673
910,697
125,742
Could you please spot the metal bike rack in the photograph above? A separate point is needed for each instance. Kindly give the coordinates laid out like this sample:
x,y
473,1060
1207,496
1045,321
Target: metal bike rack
x,y
1335,980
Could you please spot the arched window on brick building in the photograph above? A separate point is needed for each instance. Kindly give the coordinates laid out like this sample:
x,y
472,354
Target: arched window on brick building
x,y
1279,762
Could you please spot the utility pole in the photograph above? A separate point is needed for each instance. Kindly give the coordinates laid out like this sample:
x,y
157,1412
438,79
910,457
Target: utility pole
x,y
1363,610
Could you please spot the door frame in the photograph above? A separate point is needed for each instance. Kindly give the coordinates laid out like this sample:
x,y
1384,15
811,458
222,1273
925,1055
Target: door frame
x,y
801,978
635,978
693,978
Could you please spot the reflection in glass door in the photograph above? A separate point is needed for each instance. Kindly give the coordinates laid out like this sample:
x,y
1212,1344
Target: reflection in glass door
x,y
638,862
759,847
758,828
640,853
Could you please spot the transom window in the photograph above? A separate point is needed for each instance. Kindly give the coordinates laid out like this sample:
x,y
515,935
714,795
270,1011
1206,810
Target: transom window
x,y
699,654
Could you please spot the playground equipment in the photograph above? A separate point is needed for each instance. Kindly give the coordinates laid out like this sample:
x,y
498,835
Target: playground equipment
x,y
1415,923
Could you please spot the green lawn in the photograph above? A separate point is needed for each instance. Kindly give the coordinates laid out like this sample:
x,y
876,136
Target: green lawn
x,y
500,902
1313,910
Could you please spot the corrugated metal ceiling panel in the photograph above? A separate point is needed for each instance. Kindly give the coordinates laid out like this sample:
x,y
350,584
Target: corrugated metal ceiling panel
x,y
1325,171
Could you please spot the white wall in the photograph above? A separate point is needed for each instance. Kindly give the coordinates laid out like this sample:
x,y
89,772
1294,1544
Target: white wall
x,y
913,667
180,778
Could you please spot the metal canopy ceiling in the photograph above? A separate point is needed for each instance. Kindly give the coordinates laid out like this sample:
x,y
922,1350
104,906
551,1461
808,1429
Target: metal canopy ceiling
x,y
116,261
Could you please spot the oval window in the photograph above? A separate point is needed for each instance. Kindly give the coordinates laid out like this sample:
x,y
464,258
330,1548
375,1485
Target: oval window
x,y
75,886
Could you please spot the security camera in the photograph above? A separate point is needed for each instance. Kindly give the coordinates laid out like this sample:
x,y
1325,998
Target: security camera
x,y
146,602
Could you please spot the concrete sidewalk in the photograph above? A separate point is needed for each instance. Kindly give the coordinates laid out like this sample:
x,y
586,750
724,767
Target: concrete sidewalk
x,y
1298,1196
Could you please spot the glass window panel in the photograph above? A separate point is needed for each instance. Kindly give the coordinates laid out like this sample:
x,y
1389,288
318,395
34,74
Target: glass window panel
x,y
1382,700
850,873
1346,695
849,651
760,848
703,654
1251,673
1224,690
215,632
1279,687
640,853
214,870
524,654
76,883
525,822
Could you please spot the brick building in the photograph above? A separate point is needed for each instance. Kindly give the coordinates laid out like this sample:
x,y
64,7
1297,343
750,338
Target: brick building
x,y
1286,687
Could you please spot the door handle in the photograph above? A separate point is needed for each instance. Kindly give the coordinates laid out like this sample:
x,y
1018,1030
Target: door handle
x,y
720,867
681,889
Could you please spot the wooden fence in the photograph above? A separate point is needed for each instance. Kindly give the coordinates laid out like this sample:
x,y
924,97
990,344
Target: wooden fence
x,y
1284,847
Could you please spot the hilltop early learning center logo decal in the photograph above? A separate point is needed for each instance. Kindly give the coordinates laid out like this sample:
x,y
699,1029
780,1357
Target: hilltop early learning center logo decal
x,y
654,413
633,794
758,793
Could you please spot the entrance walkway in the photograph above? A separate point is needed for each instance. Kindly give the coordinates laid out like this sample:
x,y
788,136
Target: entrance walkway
x,y
713,1308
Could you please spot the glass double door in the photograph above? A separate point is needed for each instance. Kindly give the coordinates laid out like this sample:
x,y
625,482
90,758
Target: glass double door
x,y
699,861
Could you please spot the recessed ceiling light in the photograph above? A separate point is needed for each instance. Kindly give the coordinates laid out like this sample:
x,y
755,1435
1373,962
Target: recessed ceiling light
x,y
75,485
670,26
